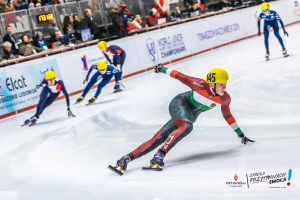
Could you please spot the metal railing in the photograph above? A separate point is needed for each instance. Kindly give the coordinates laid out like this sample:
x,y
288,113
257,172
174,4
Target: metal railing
x,y
94,6
66,9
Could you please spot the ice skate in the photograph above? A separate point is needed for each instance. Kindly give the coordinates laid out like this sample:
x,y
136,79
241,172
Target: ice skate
x,y
33,121
117,87
267,55
284,52
121,165
79,100
26,122
158,161
91,101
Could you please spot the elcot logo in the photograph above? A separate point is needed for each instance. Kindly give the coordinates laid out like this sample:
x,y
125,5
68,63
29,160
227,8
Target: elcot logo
x,y
2,91
85,66
152,50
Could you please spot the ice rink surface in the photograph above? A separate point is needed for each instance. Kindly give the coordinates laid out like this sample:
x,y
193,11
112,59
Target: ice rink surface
x,y
67,158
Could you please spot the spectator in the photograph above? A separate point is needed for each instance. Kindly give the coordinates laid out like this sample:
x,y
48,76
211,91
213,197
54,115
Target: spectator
x,y
158,8
10,7
91,24
25,43
193,10
115,18
16,5
31,5
22,5
189,2
9,38
203,6
66,36
66,23
52,26
8,52
168,16
38,5
137,22
75,21
176,13
152,15
38,41
54,2
46,2
56,38
2,6
223,4
236,4
93,6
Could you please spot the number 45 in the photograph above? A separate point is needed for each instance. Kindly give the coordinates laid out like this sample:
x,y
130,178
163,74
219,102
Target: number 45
x,y
211,77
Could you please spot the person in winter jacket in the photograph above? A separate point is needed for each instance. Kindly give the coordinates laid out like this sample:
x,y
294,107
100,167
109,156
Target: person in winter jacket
x,y
152,15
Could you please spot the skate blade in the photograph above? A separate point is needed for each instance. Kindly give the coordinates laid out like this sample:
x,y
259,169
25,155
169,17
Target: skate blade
x,y
286,55
32,124
118,91
77,103
152,169
123,86
115,170
89,104
24,125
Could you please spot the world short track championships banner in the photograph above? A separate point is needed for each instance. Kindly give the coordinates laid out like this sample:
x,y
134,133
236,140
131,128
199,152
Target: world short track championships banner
x,y
18,87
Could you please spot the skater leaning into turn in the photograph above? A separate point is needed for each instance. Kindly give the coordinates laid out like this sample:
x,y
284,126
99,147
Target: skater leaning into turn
x,y
184,110
106,72
119,56
49,94
271,17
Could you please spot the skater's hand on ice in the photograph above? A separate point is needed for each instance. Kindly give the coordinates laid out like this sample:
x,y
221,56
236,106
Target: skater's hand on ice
x,y
38,86
285,33
85,80
70,114
157,68
259,33
244,139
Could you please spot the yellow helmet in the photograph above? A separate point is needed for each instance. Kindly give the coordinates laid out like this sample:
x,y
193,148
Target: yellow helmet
x,y
102,45
102,65
265,6
49,75
217,75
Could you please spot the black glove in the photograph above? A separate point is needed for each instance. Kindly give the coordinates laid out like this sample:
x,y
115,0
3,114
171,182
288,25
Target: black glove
x,y
86,79
259,33
38,86
157,68
70,114
244,139
285,33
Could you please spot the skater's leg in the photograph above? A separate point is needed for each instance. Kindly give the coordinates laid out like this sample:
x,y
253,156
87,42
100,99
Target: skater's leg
x,y
51,98
157,140
123,57
266,34
276,33
103,83
91,83
43,97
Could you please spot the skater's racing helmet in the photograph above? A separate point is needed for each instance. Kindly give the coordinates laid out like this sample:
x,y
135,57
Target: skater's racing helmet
x,y
102,65
102,45
264,7
217,75
49,75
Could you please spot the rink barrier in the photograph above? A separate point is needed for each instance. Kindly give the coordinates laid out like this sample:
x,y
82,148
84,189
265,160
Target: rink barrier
x,y
140,63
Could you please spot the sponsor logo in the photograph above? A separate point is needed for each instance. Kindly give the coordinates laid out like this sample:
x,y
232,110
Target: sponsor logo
x,y
197,84
236,177
152,50
2,91
213,105
166,144
296,3
171,45
296,10
236,183
85,66
218,32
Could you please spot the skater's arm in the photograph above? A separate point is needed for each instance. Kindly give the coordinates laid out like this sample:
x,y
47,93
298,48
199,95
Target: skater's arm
x,y
227,114
258,21
280,21
91,69
107,58
115,52
193,83
63,89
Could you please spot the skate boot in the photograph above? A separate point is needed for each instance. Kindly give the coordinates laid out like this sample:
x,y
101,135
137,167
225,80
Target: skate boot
x,y
117,87
121,165
91,101
33,121
284,52
26,122
79,100
268,55
157,160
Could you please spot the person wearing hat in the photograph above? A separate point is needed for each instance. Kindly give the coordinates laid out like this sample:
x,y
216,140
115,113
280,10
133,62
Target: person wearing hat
x,y
38,41
119,56
152,15
50,92
104,72
184,109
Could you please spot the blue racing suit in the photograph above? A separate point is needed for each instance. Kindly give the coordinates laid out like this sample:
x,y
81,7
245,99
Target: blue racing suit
x,y
119,59
105,79
271,21
49,95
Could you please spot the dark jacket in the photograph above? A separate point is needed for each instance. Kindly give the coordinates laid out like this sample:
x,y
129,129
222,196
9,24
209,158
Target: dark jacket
x,y
222,5
92,26
7,54
115,16
2,8
52,40
8,38
75,25
189,2
65,28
